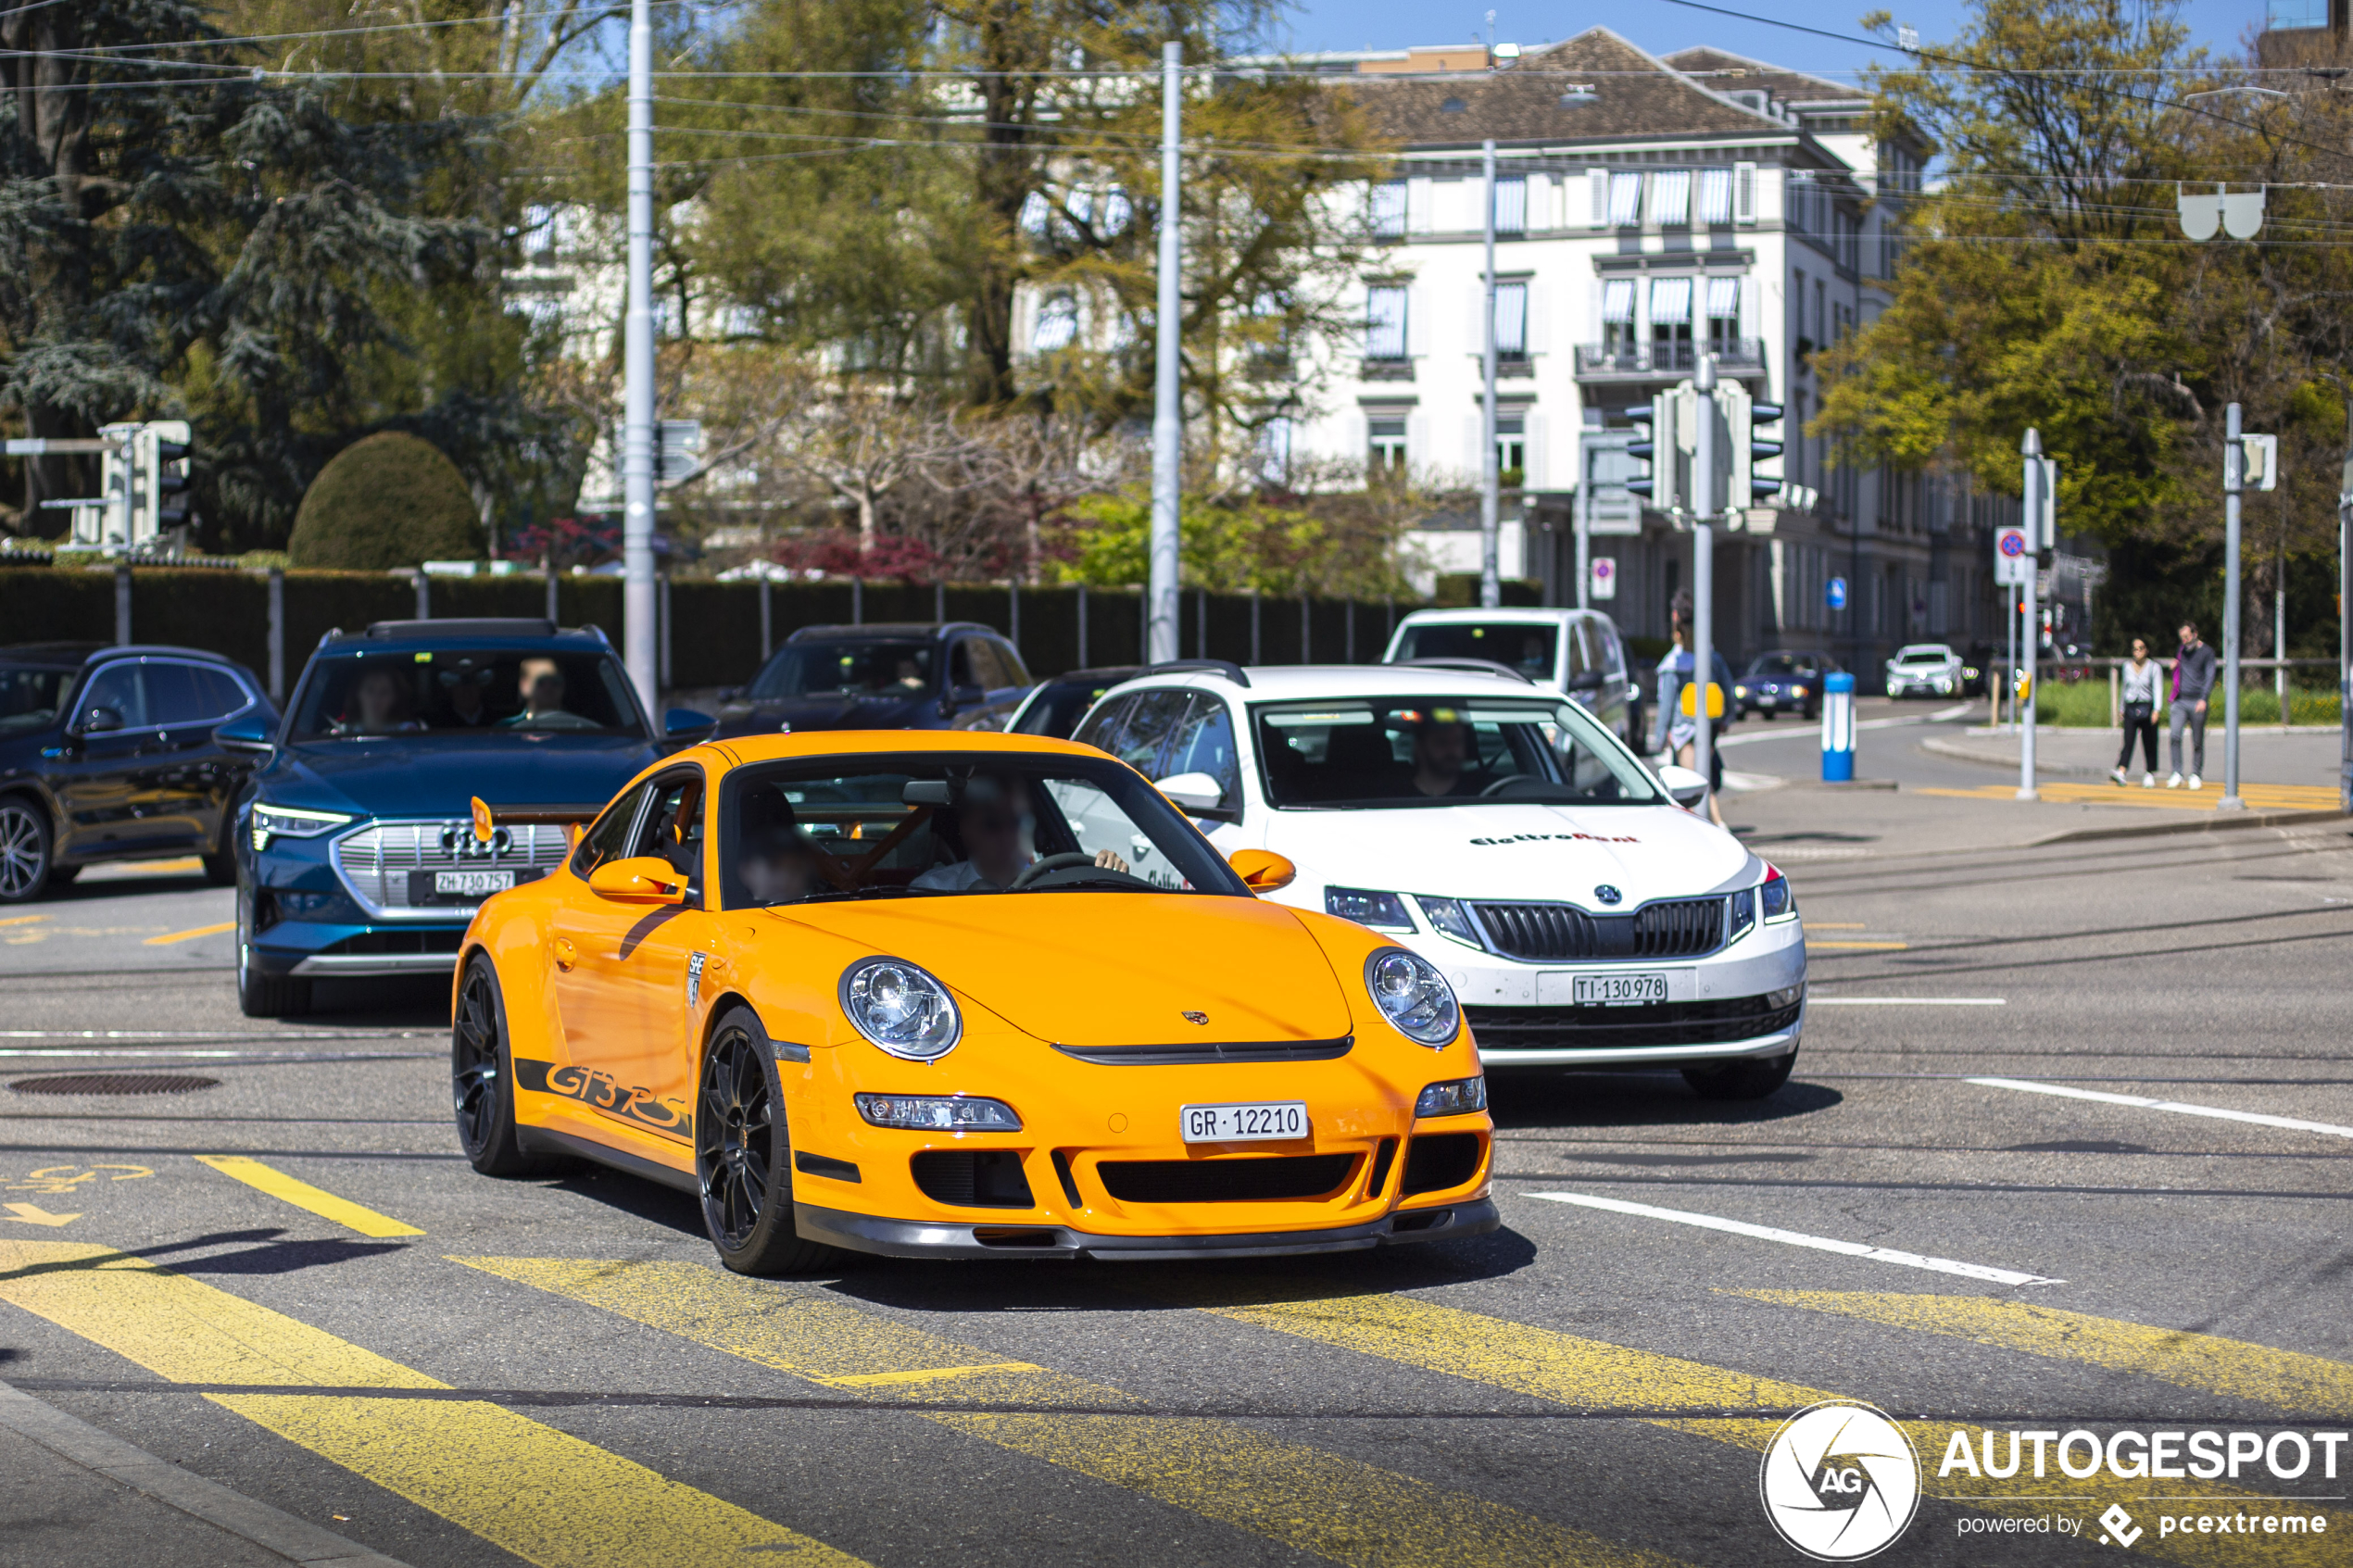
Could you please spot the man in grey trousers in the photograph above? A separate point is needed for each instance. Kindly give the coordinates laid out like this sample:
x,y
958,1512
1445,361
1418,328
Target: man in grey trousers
x,y
2193,683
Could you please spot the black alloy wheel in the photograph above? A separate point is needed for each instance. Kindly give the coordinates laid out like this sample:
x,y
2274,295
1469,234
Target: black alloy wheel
x,y
482,1089
1751,1078
743,1154
24,850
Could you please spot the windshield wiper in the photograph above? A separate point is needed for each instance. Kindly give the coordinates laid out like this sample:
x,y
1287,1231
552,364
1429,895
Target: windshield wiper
x,y
881,890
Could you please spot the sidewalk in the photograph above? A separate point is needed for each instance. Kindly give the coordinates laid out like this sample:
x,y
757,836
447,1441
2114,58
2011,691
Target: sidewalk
x,y
2303,757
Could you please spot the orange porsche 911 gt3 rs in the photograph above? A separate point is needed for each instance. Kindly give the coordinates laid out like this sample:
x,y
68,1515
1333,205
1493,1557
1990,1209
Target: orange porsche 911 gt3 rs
x,y
960,996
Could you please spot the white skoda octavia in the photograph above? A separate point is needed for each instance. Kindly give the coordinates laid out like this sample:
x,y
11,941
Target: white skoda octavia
x,y
1582,916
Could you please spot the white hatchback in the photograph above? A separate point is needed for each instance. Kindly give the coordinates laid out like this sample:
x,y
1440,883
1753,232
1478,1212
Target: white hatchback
x,y
1583,918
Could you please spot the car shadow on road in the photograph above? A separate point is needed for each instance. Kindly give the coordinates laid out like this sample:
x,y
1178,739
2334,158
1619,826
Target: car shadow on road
x,y
636,1197
1529,1100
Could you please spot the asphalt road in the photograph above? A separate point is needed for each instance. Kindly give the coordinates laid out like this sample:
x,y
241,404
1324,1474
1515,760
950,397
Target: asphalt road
x,y
466,1372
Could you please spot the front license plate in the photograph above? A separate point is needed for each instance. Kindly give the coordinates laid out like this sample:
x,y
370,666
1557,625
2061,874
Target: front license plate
x,y
1235,1124
471,884
1618,990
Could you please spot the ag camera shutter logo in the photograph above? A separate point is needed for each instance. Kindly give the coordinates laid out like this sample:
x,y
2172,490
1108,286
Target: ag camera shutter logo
x,y
1840,1481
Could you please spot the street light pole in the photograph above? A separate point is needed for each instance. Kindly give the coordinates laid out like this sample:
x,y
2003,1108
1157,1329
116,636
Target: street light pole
x,y
2344,620
2031,450
1168,413
638,375
1703,501
2233,471
1491,586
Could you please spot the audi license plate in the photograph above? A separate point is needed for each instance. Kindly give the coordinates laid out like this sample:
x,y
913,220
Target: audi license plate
x,y
471,884
1618,990
1235,1124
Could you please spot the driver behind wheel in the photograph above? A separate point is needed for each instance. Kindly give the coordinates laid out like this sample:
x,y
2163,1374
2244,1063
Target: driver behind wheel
x,y
997,836
777,865
1441,749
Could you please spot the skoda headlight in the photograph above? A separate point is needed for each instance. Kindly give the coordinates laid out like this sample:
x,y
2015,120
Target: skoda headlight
x,y
900,1009
288,821
1412,995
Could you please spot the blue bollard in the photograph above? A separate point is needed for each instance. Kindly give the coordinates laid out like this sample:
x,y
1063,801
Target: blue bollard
x,y
1838,729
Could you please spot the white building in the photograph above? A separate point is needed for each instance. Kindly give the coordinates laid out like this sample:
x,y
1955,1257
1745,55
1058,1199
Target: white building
x,y
1646,208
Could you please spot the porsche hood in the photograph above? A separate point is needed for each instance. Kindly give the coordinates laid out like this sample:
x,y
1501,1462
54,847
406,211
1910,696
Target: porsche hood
x,y
1132,969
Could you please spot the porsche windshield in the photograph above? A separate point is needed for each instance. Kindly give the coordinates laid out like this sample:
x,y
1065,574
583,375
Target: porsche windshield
x,y
464,692
1390,752
939,824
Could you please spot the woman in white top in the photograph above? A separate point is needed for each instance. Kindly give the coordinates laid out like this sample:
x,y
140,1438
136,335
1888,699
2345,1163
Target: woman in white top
x,y
2141,674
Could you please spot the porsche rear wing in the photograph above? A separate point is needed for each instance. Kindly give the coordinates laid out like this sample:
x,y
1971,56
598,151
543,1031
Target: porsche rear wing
x,y
487,818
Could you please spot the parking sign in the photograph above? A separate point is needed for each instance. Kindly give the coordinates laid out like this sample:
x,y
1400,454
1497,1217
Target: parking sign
x,y
1835,592
1604,577
2013,557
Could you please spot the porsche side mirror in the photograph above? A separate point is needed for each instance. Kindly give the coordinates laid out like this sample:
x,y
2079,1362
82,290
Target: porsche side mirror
x,y
1262,871
1684,786
1192,792
641,879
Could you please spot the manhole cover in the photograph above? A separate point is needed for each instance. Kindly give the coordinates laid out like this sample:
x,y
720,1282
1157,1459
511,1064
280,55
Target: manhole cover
x,y
113,1084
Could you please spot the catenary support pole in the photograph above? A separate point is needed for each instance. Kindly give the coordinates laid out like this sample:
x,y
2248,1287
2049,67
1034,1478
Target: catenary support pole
x,y
122,604
2233,477
2345,622
277,634
1703,562
767,617
2031,510
639,650
1168,414
1490,474
1584,515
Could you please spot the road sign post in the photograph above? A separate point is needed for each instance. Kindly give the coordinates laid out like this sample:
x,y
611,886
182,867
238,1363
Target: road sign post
x,y
1838,728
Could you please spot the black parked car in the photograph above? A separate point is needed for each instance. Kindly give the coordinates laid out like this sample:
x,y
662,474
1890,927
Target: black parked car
x,y
1054,706
107,754
959,676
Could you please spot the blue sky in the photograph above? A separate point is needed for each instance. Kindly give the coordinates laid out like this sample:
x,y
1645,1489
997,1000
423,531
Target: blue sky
x,y
1659,26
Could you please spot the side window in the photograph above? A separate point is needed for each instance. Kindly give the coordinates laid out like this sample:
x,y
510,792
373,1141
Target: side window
x,y
117,688
1106,721
672,829
1016,672
959,666
1136,740
1581,649
607,836
220,692
989,665
1205,744
172,696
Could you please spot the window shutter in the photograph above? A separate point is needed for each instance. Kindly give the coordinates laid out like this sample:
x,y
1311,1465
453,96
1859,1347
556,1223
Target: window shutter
x,y
1417,439
1744,192
1597,198
1418,202
1534,479
1538,317
1471,433
1416,321
1750,326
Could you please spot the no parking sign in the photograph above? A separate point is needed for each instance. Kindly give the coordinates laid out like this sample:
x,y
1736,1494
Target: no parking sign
x,y
2013,557
1604,577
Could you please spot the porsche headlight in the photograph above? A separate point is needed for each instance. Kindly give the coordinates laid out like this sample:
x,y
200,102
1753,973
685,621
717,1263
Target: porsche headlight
x,y
1413,996
938,1113
900,1008
287,821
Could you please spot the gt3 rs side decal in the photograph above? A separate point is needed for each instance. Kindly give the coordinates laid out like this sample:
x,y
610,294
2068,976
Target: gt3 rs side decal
x,y
600,1090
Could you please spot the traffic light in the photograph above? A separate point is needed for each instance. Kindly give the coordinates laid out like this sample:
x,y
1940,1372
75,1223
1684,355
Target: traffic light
x,y
1674,431
159,469
1742,415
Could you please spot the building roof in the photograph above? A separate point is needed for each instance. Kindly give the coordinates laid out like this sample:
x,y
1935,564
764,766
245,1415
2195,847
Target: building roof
x,y
1728,72
1633,96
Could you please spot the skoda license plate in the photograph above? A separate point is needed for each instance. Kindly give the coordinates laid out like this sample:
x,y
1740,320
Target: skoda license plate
x,y
1235,1124
1618,990
471,884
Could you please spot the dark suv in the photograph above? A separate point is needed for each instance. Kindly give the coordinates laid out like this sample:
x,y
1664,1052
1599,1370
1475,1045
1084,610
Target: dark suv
x,y
107,754
959,676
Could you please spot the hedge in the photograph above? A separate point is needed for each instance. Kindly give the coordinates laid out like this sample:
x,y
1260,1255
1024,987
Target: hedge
x,y
715,626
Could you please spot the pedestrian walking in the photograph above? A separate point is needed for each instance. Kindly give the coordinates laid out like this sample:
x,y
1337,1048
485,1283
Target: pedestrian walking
x,y
1679,732
2141,674
2193,683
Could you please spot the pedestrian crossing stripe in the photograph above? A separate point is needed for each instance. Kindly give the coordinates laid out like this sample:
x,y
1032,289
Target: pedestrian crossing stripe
x,y
1313,1500
541,1494
2287,1379
1590,1374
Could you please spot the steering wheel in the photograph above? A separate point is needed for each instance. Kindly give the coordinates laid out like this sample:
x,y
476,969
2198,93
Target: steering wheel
x,y
1061,862
1502,784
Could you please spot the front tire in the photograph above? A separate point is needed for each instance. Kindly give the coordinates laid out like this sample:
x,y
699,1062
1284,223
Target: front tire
x,y
1753,1078
25,865
743,1153
259,995
481,1079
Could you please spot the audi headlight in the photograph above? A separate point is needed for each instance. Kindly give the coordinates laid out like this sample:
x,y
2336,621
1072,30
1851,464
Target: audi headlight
x,y
1459,1098
1413,996
1382,911
900,1008
938,1113
288,821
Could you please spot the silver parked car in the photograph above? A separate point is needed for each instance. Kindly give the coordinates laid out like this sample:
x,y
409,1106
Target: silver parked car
x,y
1924,669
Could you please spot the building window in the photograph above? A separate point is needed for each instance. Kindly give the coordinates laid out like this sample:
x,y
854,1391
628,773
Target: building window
x,y
1715,195
1388,211
1385,323
1670,323
1671,198
1511,448
1511,321
1057,324
1273,450
1723,314
1036,216
1511,204
1617,317
1625,200
1386,454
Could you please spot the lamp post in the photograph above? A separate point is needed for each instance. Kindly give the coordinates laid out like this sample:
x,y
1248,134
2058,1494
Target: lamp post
x,y
1491,589
1168,413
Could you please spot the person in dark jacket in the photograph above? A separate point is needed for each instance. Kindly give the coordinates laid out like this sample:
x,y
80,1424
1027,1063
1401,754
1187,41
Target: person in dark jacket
x,y
2193,683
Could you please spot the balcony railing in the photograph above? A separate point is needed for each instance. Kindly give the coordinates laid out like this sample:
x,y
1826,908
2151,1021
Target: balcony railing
x,y
1597,361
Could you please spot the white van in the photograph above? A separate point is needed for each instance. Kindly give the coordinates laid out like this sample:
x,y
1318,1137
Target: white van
x,y
1574,652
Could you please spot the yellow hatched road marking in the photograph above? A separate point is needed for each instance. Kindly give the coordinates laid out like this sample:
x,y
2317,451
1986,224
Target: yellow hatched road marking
x,y
2264,797
544,1495
302,1194
1319,1502
2287,1378
1587,1374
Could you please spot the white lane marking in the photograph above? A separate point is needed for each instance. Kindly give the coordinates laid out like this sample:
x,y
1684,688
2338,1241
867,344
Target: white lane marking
x,y
1907,1001
210,1034
2179,1107
1798,1238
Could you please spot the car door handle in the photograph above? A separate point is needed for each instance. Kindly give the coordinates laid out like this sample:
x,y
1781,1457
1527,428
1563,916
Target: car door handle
x,y
566,954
